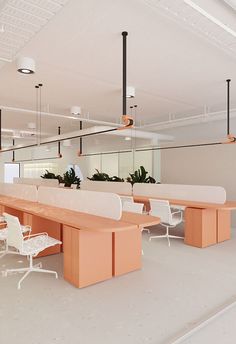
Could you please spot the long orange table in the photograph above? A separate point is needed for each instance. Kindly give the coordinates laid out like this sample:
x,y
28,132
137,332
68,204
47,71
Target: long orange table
x,y
95,248
205,223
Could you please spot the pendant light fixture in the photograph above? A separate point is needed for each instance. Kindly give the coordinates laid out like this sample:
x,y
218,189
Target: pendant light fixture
x,y
130,92
127,120
25,65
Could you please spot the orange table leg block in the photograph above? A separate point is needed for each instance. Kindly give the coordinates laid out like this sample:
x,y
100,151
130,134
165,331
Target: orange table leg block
x,y
14,212
2,209
87,256
223,225
127,251
40,225
200,227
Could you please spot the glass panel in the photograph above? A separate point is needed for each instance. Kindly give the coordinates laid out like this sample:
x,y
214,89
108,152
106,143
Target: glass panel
x,y
110,164
11,171
125,164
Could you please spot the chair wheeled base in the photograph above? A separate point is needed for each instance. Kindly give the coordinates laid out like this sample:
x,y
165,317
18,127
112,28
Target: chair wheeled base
x,y
32,268
167,235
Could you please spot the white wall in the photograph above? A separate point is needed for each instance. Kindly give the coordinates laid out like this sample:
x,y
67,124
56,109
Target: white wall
x,y
212,165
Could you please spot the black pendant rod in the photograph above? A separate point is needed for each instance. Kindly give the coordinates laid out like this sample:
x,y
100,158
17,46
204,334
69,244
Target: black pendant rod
x,y
57,140
59,143
81,140
228,106
13,152
157,148
37,159
40,111
124,34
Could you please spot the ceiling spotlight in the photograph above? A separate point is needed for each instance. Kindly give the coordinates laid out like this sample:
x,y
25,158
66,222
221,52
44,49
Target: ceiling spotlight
x,y
75,110
25,65
130,92
127,138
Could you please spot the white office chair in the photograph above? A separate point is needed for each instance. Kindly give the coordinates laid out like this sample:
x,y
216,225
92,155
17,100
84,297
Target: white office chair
x,y
161,209
133,207
126,199
176,207
3,238
29,246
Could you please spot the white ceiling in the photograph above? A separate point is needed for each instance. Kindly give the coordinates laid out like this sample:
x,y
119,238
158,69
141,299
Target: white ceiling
x,y
177,68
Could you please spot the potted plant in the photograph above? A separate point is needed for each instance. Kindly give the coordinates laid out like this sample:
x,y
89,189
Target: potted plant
x,y
99,176
51,175
104,177
140,176
70,178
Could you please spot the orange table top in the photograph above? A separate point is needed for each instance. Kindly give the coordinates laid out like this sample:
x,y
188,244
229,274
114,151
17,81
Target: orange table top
x,y
228,205
73,218
141,220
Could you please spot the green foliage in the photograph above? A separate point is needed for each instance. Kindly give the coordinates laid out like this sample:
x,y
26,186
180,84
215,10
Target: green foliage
x,y
140,176
116,179
104,177
50,175
99,176
70,178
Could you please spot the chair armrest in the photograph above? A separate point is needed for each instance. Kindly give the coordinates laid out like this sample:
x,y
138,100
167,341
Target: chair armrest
x,y
26,228
34,235
178,212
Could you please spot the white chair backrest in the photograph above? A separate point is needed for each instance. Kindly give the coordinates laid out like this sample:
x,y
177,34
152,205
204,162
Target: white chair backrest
x,y
126,199
133,207
161,209
14,236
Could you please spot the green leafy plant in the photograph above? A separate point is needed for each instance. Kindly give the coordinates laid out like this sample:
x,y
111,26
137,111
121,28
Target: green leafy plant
x,y
104,177
116,179
51,175
140,176
99,176
70,178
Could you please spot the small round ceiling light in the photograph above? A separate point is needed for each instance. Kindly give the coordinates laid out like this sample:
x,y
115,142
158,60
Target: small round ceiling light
x,y
25,65
127,138
130,92
75,110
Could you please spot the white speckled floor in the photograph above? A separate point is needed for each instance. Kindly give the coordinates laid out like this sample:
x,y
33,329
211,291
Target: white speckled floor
x,y
177,287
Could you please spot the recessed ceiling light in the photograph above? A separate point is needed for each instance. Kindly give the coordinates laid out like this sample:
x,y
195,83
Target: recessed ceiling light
x,y
127,138
210,17
25,65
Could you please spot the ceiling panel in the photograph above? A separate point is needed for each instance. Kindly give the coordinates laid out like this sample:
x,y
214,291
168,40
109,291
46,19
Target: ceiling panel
x,y
20,20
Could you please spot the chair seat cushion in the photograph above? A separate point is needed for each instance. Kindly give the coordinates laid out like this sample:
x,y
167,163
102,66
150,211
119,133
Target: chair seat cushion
x,y
34,245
